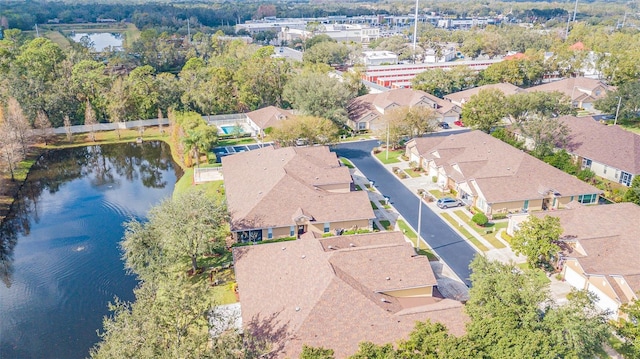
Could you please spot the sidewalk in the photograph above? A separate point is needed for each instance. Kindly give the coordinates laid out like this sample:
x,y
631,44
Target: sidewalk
x,y
449,285
558,289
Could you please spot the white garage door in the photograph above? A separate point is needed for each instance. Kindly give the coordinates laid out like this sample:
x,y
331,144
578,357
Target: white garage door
x,y
605,302
574,278
415,157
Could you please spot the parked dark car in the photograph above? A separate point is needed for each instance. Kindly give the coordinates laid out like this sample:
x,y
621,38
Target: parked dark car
x,y
444,125
448,202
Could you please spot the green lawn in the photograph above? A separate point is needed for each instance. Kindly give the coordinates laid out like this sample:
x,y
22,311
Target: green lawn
x,y
539,272
466,234
423,249
384,204
412,173
437,193
482,231
185,183
373,205
386,224
393,156
358,188
346,162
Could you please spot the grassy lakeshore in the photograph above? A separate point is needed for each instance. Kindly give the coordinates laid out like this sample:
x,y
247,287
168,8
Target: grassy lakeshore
x,y
9,189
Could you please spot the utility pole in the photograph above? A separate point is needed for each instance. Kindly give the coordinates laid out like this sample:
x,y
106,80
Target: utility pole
x,y
615,122
419,222
415,32
575,10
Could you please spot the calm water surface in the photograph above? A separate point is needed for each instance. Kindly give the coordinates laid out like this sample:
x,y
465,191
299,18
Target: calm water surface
x,y
100,41
59,258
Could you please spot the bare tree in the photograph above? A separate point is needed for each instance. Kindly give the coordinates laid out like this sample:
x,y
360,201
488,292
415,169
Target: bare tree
x,y
43,125
18,124
160,120
10,154
90,120
67,127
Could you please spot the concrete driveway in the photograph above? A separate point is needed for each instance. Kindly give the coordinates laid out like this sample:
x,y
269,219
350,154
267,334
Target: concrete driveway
x,y
453,249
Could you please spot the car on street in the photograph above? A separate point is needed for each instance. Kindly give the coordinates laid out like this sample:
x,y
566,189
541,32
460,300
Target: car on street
x,y
448,202
458,123
444,125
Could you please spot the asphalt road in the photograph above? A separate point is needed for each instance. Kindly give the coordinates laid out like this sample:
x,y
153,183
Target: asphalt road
x,y
453,250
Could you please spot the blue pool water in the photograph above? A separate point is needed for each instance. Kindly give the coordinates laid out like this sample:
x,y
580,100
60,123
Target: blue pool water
x,y
229,129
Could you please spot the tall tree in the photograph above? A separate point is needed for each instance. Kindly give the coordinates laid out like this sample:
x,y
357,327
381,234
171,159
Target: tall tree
x,y
192,224
513,316
90,120
633,193
310,130
9,145
317,94
538,239
42,123
547,133
629,328
484,110
67,127
18,124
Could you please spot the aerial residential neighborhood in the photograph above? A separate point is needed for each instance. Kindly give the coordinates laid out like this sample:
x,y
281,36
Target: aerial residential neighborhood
x,y
319,180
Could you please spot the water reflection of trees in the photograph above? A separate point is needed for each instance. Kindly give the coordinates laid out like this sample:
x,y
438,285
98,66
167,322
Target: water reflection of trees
x,y
106,165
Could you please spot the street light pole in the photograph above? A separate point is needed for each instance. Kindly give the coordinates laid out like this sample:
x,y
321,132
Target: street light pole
x,y
419,222
387,141
615,121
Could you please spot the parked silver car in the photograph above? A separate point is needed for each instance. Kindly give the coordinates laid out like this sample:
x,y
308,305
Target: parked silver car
x,y
448,202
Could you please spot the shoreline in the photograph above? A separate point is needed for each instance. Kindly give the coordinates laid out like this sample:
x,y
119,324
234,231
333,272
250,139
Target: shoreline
x,y
11,189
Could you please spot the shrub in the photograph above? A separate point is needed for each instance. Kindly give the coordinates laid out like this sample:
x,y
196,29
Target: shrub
x,y
413,164
499,216
480,219
434,179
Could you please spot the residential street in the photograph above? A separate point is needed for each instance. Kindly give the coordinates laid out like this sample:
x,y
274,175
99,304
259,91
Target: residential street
x,y
453,250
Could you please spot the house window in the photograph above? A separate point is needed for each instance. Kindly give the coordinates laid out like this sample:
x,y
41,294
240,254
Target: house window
x,y
326,227
526,205
587,198
625,178
586,163
362,126
292,231
604,171
270,233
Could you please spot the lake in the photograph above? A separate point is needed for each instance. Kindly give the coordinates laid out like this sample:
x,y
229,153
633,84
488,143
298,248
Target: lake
x,y
100,41
60,263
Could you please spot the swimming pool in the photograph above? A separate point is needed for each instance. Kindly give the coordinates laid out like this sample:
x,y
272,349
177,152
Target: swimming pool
x,y
230,129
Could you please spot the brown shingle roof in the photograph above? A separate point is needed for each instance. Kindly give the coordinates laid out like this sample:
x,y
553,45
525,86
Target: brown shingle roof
x,y
371,104
610,236
574,87
299,292
268,116
463,96
609,145
502,172
269,187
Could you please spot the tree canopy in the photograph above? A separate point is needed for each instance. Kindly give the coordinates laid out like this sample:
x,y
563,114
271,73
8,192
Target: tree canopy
x,y
484,110
537,239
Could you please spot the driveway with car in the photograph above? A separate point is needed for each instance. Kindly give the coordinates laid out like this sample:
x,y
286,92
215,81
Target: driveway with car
x,y
453,249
